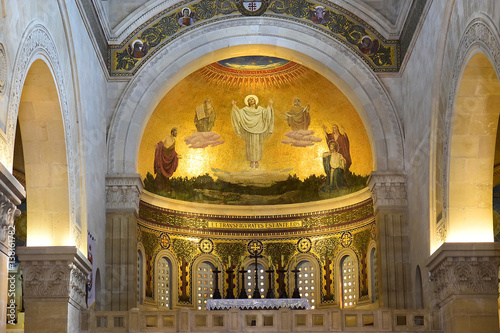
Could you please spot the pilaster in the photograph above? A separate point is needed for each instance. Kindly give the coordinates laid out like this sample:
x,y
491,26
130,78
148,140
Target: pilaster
x,y
391,215
465,280
122,205
55,275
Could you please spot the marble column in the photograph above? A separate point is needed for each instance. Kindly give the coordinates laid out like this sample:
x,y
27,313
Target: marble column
x,y
11,194
465,280
122,206
55,280
391,216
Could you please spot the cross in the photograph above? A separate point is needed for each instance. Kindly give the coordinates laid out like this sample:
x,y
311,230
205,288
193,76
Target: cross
x,y
346,239
164,241
251,6
255,247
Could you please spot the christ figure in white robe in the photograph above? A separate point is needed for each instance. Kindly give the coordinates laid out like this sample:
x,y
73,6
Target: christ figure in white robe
x,y
253,124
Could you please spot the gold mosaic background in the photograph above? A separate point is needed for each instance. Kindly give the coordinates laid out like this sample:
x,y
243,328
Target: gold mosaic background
x,y
327,104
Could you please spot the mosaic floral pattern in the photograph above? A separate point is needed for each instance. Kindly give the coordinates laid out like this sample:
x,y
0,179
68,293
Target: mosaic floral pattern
x,y
380,55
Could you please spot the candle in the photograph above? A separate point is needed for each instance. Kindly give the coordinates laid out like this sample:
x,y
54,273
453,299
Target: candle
x,y
282,256
229,261
270,261
242,258
295,261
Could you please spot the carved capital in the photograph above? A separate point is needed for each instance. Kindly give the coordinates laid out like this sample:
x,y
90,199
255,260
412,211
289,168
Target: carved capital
x,y
459,269
123,192
11,194
8,211
388,189
54,272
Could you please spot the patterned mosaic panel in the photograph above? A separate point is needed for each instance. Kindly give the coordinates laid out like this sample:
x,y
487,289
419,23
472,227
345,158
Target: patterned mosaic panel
x,y
380,54
280,253
341,218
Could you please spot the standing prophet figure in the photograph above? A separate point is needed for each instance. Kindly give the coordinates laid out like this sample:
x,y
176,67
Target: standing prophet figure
x,y
298,117
204,117
166,161
253,124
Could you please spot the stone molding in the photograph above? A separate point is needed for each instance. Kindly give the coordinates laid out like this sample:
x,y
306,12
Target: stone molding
x,y
123,192
58,272
465,269
3,71
388,189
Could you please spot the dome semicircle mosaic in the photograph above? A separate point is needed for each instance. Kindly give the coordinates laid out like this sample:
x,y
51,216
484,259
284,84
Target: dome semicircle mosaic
x,y
254,130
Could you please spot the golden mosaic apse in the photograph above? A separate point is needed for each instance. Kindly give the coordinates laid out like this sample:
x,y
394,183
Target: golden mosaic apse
x,y
287,151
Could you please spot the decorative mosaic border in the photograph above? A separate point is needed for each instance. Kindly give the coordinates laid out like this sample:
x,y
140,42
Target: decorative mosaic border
x,y
335,21
298,223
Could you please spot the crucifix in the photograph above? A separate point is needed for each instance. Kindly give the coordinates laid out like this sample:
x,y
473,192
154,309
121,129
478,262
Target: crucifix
x,y
255,248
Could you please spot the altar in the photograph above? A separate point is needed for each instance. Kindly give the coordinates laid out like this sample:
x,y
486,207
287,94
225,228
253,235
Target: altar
x,y
258,304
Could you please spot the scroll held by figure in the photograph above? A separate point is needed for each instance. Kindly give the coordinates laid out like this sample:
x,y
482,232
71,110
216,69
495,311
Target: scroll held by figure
x,y
166,161
253,124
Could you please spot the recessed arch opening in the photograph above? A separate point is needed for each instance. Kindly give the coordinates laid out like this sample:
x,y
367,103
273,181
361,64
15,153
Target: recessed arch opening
x,y
45,163
472,153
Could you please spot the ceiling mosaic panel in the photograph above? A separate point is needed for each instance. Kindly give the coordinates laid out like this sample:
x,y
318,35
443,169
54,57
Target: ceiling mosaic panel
x,y
380,54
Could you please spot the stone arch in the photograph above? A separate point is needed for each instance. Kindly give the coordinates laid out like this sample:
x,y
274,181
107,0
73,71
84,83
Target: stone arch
x,y
315,262
216,264
337,269
141,273
372,271
38,45
272,37
419,294
174,266
469,138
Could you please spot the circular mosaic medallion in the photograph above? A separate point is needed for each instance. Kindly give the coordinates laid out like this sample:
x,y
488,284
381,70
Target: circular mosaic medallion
x,y
255,247
304,245
164,240
252,8
346,239
206,245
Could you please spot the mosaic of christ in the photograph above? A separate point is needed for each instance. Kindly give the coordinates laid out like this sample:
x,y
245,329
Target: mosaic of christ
x,y
254,130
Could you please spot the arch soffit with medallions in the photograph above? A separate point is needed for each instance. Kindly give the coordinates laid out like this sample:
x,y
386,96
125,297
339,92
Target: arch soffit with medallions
x,y
282,39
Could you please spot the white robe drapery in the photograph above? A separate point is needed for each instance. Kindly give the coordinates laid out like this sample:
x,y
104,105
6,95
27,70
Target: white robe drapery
x,y
253,125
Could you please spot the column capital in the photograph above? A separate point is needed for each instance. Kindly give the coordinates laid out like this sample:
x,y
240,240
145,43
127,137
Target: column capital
x,y
57,272
465,269
11,194
123,192
388,189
